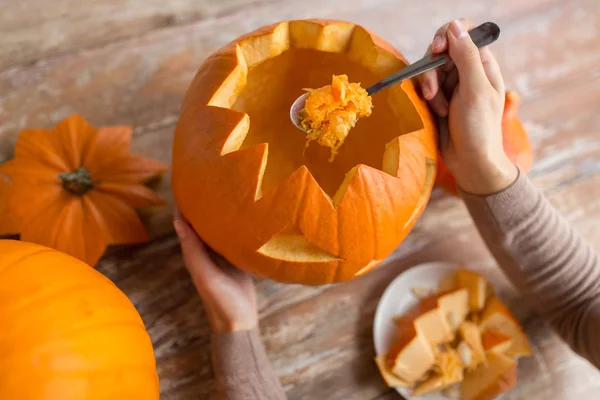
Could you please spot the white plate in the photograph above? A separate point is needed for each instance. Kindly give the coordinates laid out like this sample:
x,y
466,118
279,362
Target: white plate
x,y
398,299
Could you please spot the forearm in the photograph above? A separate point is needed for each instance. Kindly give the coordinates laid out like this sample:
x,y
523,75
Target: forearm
x,y
557,272
242,369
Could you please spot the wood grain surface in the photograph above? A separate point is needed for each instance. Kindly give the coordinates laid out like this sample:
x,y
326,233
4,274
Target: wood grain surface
x,y
130,61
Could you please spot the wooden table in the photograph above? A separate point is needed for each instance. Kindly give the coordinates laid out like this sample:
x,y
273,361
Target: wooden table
x,y
130,61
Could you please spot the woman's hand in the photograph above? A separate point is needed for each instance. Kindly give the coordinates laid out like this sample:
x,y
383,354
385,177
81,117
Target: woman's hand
x,y
470,92
228,294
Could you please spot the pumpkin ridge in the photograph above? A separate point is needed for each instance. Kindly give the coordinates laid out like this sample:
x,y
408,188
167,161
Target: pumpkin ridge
x,y
33,148
48,341
106,370
55,232
369,213
431,166
22,259
100,202
48,296
83,328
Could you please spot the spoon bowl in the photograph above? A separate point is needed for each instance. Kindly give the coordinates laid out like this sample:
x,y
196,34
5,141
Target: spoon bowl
x,y
296,110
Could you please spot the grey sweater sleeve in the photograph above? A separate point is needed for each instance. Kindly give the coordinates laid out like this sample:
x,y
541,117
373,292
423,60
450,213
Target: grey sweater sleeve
x,y
551,265
242,369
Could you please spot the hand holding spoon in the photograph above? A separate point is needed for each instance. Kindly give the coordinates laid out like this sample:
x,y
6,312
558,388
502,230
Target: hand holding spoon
x,y
483,35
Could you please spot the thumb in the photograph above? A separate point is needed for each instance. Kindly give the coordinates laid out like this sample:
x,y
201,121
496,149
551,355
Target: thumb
x,y
465,56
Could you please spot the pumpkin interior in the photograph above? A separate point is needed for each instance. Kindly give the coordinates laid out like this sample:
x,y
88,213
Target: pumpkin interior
x,y
273,85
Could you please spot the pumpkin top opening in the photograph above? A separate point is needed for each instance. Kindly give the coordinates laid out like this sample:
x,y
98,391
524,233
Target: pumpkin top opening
x,y
273,83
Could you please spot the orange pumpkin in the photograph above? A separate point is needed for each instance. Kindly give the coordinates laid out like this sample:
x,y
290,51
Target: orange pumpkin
x,y
68,332
242,180
8,226
515,141
75,188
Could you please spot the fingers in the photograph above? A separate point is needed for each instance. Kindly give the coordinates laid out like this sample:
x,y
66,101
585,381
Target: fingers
x,y
450,83
465,56
440,39
430,87
444,134
492,69
428,81
439,43
195,255
431,81
439,104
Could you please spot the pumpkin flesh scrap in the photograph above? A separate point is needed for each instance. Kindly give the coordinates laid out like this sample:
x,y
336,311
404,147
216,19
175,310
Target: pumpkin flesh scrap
x,y
331,111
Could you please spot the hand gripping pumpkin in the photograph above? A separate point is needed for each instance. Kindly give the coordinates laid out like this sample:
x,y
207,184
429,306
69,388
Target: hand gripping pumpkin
x,y
67,332
242,180
514,139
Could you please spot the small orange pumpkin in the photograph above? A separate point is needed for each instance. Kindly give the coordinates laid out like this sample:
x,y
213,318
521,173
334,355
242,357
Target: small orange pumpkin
x,y
241,177
75,188
514,139
68,332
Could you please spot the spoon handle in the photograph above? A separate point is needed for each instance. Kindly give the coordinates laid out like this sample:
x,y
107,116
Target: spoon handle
x,y
483,35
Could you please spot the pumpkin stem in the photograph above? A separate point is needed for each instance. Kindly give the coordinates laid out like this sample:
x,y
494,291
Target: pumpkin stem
x,y
77,182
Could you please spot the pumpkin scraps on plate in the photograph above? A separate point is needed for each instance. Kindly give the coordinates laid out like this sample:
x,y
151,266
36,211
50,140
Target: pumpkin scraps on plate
x,y
76,188
459,340
331,111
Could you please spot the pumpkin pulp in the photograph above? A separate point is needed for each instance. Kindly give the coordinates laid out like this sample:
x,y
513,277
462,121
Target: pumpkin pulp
x,y
331,111
78,182
271,88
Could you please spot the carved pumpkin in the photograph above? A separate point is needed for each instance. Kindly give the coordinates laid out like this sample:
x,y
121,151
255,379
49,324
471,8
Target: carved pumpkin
x,y
68,332
75,188
242,180
515,141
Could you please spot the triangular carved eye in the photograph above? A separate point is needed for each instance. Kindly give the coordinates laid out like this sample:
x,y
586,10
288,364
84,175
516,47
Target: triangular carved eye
x,y
292,246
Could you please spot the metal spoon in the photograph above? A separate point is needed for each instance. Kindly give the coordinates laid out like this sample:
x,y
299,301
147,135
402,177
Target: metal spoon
x,y
483,35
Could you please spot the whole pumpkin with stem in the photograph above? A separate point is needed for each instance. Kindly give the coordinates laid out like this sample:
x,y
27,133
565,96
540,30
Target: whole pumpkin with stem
x,y
514,139
76,188
242,175
68,333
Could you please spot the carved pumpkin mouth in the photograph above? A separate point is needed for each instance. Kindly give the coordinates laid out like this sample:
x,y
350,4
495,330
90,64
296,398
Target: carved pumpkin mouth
x,y
272,87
